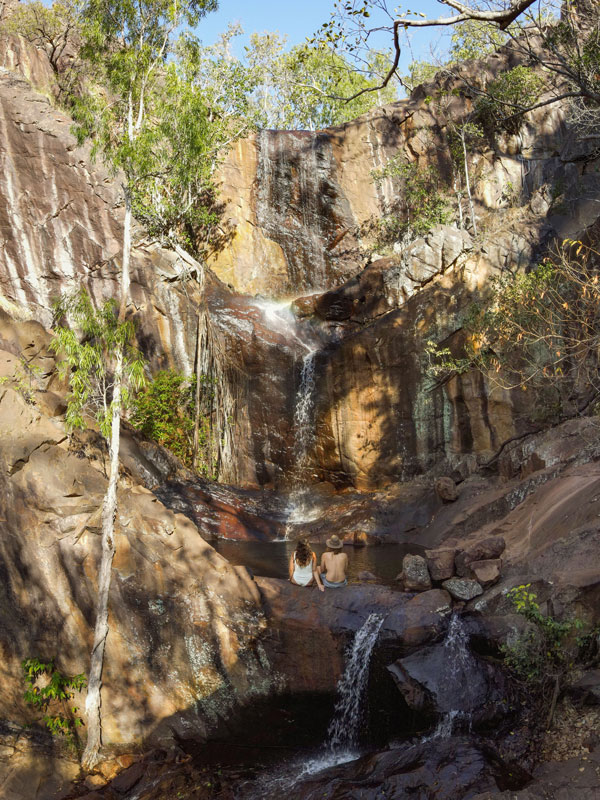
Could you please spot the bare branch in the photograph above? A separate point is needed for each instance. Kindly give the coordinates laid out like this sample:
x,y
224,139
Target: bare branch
x,y
502,18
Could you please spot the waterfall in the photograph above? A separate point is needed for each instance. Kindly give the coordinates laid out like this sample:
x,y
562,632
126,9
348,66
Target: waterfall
x,y
300,506
344,728
458,679
343,733
303,413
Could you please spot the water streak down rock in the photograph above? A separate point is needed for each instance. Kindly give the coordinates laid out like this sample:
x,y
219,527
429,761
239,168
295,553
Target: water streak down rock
x,y
344,729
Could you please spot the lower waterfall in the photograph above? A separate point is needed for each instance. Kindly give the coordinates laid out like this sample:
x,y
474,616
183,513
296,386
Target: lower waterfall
x,y
459,676
343,733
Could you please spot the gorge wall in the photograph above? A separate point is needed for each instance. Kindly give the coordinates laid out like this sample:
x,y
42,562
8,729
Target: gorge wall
x,y
297,201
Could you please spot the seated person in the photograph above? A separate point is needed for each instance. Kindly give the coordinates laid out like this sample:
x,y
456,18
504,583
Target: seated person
x,y
334,563
303,566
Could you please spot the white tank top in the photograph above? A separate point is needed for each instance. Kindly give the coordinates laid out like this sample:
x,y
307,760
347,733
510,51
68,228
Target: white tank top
x,y
303,575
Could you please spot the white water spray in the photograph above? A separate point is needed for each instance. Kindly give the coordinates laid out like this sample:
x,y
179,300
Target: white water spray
x,y
344,729
458,678
343,734
301,508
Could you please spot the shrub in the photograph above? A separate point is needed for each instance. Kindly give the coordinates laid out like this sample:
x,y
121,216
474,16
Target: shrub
x,y
541,660
164,412
419,205
539,331
507,98
49,691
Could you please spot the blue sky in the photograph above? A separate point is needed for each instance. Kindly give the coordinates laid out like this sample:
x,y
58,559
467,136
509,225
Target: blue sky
x,y
301,19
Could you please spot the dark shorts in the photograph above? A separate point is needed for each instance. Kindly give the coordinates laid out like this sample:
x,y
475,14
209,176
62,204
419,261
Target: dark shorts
x,y
331,585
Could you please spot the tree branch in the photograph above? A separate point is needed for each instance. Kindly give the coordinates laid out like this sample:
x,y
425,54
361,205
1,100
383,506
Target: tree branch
x,y
502,18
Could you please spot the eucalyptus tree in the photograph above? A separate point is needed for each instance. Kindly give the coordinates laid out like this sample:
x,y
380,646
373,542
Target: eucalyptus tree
x,y
558,37
306,86
127,46
54,29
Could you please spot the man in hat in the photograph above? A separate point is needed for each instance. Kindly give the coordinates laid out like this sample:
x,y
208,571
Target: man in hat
x,y
334,563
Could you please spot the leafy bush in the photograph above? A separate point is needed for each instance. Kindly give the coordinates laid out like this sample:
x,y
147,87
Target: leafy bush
x,y
542,659
48,691
507,98
420,203
539,331
542,654
164,412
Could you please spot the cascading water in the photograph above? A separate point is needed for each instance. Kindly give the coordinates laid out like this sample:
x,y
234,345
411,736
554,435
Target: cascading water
x,y
344,729
300,507
279,317
343,733
458,680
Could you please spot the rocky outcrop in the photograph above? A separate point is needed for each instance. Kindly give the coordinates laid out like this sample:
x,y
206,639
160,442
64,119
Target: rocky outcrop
x,y
452,769
296,200
183,648
309,630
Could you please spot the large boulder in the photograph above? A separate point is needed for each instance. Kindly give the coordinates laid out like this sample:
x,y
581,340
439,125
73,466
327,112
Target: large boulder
x,y
445,680
447,770
415,574
462,588
446,489
440,563
487,572
490,548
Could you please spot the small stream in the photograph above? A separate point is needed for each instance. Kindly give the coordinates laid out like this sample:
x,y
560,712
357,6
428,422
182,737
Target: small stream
x,y
271,559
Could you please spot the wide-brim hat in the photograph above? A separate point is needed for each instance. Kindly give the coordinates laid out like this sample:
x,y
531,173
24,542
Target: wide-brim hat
x,y
335,542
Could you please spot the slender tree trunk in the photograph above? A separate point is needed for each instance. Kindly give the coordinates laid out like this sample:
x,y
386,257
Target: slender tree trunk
x,y
468,182
109,511
197,398
126,256
458,192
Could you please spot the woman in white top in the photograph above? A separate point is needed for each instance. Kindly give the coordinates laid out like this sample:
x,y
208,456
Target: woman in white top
x,y
303,566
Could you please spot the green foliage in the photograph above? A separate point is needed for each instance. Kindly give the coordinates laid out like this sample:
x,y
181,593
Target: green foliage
x,y
475,39
87,340
144,114
542,654
539,331
507,98
420,203
48,691
306,87
419,72
164,412
23,380
56,29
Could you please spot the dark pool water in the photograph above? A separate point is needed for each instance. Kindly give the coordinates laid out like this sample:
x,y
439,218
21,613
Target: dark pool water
x,y
271,559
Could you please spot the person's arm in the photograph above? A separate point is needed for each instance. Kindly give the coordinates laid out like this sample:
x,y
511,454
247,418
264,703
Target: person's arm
x,y
317,573
291,566
323,563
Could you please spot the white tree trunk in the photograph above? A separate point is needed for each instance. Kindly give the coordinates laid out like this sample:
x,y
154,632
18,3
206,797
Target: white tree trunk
x,y
126,257
467,181
109,511
196,444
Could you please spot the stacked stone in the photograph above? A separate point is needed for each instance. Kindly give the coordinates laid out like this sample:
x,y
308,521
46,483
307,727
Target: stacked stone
x,y
463,573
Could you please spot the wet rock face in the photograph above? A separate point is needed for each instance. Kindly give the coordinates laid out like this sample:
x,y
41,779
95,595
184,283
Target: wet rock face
x,y
309,630
301,207
447,771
